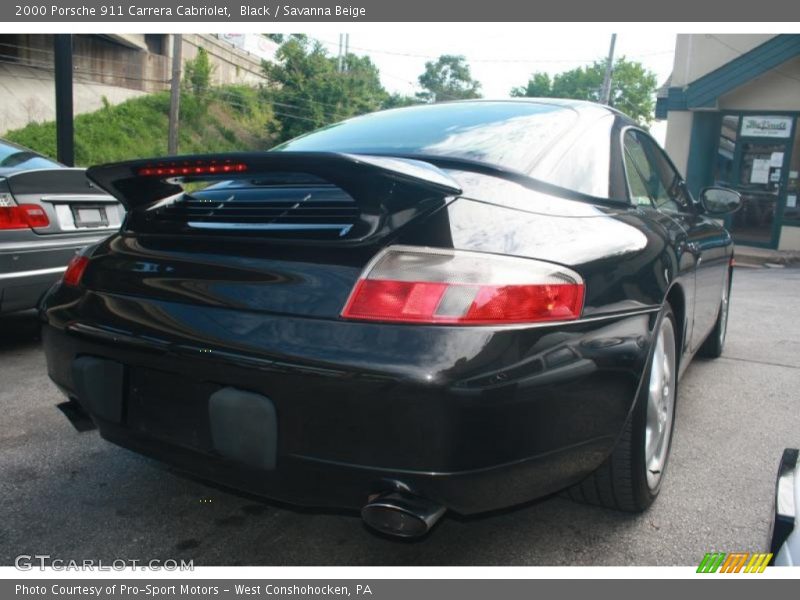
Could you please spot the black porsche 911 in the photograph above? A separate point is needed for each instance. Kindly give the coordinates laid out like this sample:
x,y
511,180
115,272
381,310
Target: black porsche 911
x,y
457,306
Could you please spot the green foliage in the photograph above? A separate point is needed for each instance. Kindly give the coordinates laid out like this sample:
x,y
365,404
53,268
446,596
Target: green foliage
x,y
448,78
539,86
233,118
280,38
399,100
633,87
197,73
309,91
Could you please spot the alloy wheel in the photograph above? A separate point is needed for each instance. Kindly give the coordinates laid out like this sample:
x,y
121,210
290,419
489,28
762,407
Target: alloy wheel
x,y
660,404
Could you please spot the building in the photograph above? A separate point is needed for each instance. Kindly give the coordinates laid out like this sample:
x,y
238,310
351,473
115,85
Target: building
x,y
732,107
112,68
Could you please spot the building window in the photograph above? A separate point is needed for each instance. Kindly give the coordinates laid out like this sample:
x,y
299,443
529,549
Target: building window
x,y
791,210
724,174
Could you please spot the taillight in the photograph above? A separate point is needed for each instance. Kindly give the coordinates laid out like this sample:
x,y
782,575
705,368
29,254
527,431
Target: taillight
x,y
23,216
75,268
173,169
429,285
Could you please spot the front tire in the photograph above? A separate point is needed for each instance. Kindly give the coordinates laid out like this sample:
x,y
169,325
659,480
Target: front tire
x,y
630,478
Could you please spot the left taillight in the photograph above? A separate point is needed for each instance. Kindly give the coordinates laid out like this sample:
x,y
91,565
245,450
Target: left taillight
x,y
75,269
430,285
22,216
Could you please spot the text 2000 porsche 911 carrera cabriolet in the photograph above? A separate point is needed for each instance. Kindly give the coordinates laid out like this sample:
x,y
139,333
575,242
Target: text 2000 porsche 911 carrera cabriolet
x,y
455,306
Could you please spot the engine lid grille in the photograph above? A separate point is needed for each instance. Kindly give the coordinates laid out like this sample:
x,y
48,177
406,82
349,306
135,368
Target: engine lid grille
x,y
281,210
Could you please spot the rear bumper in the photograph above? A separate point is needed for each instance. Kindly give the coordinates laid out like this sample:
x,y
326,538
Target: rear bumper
x,y
29,267
473,418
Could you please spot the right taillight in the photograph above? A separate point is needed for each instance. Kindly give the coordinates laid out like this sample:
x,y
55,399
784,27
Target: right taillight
x,y
75,268
430,285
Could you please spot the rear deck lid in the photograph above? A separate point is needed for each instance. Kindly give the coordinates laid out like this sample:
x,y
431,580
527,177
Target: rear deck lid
x,y
70,201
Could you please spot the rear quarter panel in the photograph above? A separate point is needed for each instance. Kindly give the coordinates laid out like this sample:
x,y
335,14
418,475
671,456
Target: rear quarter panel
x,y
625,258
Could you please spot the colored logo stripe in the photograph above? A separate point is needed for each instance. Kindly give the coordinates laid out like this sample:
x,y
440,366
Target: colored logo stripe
x,y
711,562
758,563
734,562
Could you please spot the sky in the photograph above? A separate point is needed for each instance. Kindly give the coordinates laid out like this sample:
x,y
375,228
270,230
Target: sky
x,y
500,60
499,57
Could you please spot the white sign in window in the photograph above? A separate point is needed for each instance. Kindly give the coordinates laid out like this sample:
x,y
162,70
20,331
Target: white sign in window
x,y
760,172
765,126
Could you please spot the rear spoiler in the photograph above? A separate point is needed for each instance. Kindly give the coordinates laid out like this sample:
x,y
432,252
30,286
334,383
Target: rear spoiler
x,y
140,183
389,191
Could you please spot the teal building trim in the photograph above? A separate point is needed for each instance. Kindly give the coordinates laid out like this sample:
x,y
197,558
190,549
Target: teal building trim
x,y
704,92
702,151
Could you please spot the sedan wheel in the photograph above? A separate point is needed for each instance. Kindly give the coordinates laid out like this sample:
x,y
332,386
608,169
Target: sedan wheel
x,y
631,476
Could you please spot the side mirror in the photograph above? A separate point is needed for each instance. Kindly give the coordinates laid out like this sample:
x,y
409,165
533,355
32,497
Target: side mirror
x,y
720,201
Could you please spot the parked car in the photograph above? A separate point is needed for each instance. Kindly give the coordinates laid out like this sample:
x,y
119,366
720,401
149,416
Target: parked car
x,y
785,539
48,212
457,306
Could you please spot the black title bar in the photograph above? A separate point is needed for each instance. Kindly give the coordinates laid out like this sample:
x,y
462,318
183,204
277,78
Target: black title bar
x,y
233,11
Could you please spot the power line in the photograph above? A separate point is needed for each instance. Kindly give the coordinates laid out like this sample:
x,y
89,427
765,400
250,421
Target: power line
x,y
492,60
221,93
33,64
50,56
211,52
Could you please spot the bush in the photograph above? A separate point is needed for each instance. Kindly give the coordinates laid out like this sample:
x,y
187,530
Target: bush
x,y
231,118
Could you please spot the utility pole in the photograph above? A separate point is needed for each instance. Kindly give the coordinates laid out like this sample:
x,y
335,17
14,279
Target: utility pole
x,y
65,133
346,50
340,64
605,94
175,94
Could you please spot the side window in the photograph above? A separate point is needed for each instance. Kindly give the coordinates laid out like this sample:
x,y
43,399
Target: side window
x,y
661,184
638,171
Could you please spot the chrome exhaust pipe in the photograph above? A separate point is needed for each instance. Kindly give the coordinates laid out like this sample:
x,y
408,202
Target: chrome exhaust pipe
x,y
401,514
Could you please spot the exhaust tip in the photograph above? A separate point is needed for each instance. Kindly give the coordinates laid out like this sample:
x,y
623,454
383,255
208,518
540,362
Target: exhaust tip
x,y
78,417
401,515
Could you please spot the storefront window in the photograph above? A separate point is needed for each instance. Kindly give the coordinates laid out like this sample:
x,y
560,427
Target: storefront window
x,y
758,157
724,174
791,210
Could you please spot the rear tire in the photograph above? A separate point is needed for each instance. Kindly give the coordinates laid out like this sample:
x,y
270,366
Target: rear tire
x,y
715,342
631,476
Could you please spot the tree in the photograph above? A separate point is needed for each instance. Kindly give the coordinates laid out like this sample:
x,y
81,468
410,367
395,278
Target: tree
x,y
280,38
633,87
197,73
398,100
539,86
309,91
448,78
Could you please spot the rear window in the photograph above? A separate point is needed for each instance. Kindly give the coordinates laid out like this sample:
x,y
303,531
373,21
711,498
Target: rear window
x,y
15,158
513,135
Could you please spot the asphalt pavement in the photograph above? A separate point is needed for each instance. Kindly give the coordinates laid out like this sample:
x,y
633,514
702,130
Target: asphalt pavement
x,y
74,496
